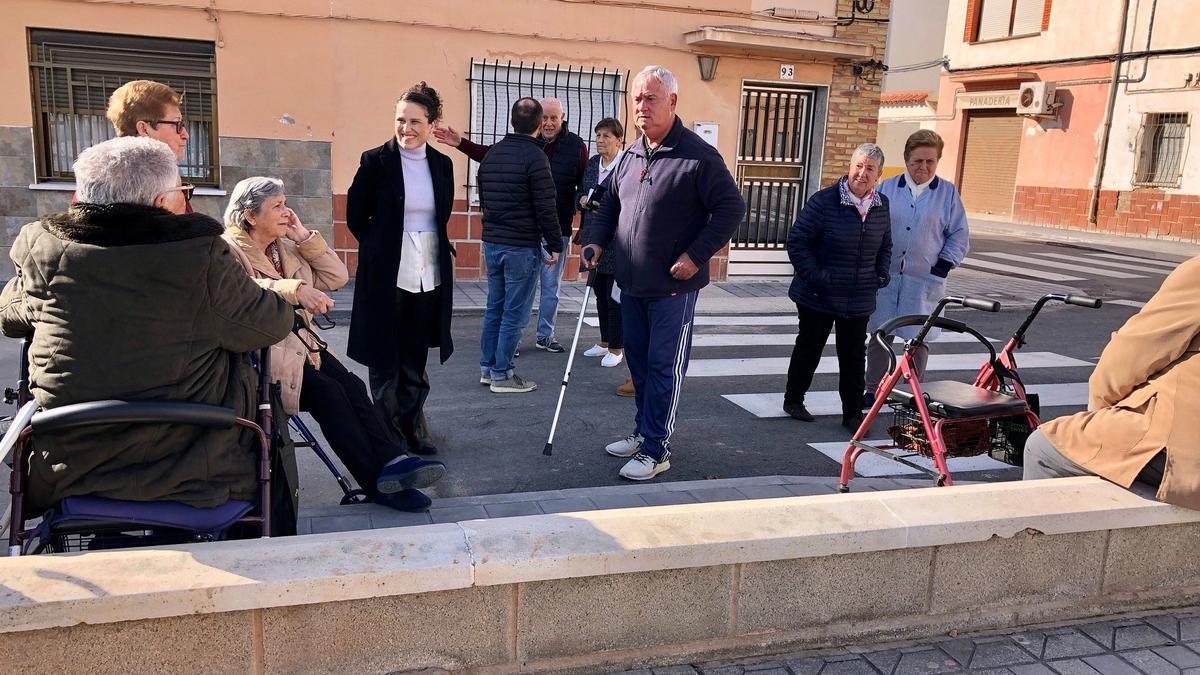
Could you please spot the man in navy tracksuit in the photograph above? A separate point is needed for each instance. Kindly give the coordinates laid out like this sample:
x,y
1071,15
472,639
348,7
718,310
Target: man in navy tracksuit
x,y
671,206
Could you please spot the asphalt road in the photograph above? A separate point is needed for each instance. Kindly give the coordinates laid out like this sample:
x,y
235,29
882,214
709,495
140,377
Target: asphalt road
x,y
492,443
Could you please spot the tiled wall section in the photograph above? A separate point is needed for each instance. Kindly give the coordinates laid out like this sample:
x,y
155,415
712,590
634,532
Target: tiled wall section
x,y
1143,213
18,204
304,167
465,228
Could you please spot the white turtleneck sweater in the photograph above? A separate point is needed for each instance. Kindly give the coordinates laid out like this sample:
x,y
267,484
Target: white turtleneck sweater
x,y
419,255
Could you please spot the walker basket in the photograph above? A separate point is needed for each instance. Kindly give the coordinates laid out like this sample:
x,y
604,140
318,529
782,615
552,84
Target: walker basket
x,y
1002,438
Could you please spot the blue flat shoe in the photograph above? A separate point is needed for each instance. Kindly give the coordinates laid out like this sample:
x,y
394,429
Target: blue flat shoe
x,y
410,472
405,500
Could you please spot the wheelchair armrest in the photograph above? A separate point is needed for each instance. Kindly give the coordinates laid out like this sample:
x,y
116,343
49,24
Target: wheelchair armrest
x,y
133,412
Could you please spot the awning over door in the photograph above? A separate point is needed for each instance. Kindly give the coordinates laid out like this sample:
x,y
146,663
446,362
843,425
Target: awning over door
x,y
779,43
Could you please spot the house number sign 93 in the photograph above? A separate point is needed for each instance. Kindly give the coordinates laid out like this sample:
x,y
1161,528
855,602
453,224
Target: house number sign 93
x,y
786,71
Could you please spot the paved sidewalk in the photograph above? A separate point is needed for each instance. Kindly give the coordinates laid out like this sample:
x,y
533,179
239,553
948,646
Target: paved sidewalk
x,y
754,295
455,509
1150,644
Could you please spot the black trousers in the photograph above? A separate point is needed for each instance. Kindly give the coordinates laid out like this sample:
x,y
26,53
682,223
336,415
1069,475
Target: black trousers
x,y
851,354
400,393
338,401
612,331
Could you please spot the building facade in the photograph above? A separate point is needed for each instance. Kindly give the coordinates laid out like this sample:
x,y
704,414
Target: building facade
x,y
299,88
910,85
1073,113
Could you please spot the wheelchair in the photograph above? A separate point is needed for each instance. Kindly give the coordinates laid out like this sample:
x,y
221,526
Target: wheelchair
x,y
94,523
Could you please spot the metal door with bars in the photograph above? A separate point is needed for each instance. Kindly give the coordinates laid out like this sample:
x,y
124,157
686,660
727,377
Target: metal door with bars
x,y
774,146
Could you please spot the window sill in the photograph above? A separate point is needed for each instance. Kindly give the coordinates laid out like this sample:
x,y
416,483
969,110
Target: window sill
x,y
1006,38
65,186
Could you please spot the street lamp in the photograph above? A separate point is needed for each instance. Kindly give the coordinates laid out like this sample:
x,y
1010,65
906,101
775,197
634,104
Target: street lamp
x,y
708,66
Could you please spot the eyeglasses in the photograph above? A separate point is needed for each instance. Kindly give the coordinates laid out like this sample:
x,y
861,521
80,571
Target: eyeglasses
x,y
187,189
178,124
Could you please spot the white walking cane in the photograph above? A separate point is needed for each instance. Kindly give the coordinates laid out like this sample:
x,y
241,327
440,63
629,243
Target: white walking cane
x,y
587,290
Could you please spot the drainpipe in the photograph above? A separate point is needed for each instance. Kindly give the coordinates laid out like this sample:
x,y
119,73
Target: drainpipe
x,y
1106,125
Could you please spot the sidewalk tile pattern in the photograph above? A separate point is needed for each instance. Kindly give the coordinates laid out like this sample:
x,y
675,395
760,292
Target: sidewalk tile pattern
x,y
1158,644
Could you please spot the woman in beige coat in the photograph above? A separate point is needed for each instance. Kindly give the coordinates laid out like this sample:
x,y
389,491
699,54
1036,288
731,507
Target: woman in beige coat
x,y
281,254
1143,419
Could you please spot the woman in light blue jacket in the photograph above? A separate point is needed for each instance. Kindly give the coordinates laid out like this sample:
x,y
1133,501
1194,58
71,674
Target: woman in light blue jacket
x,y
929,238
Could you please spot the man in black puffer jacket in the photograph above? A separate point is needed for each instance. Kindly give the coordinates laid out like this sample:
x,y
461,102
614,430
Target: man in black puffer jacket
x,y
516,193
841,247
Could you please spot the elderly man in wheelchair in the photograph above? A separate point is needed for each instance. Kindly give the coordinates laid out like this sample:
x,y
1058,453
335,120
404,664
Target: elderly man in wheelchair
x,y
139,322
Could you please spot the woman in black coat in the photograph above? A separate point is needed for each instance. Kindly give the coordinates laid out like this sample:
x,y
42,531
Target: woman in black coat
x,y
841,247
398,207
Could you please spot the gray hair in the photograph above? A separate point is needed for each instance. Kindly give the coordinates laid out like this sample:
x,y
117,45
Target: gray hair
x,y
248,196
125,170
662,75
869,150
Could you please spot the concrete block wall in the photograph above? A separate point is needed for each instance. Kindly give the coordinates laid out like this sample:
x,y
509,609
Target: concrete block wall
x,y
609,590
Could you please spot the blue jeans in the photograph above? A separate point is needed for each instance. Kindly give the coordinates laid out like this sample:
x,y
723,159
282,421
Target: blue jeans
x,y
548,305
512,273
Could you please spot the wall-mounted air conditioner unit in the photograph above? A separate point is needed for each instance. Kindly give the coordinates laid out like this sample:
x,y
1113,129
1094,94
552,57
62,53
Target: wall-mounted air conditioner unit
x,y
1036,98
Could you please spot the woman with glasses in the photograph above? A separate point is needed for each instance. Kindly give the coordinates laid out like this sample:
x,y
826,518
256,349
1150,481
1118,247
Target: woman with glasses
x,y
281,254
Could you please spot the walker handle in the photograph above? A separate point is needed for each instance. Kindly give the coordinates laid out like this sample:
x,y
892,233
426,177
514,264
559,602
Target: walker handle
x,y
981,304
1083,301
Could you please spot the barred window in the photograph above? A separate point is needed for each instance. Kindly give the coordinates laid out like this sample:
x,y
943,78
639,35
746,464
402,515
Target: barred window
x,y
1161,148
587,94
74,73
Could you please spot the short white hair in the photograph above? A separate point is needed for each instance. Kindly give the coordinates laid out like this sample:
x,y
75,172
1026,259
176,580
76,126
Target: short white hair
x,y
869,150
248,196
662,75
125,170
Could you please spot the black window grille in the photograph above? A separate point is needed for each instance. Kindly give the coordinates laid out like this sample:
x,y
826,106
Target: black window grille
x,y
74,73
1160,156
587,94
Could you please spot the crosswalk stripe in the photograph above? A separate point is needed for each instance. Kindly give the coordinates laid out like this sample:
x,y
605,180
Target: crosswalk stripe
x,y
869,464
1130,258
769,320
1062,266
819,403
1022,271
788,339
1106,263
828,364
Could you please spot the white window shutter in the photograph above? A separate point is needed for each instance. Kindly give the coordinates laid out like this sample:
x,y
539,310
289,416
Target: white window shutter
x,y
994,19
1028,18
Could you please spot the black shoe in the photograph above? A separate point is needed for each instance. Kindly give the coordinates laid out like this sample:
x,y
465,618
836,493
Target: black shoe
x,y
405,500
868,399
550,344
410,472
852,422
798,411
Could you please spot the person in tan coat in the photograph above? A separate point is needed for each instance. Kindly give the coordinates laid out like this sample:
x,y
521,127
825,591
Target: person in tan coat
x,y
282,255
1142,425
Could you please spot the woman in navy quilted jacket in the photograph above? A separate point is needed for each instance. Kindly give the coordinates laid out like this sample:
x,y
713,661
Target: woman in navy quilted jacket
x,y
841,247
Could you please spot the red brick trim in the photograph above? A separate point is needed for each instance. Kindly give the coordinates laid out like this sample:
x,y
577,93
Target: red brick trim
x,y
1046,15
1143,212
971,29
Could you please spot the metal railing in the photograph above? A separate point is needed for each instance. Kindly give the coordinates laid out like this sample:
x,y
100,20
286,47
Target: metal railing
x,y
587,94
74,74
1161,152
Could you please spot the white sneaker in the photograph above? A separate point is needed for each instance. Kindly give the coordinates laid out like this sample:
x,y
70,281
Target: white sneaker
x,y
596,350
644,467
612,360
626,447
